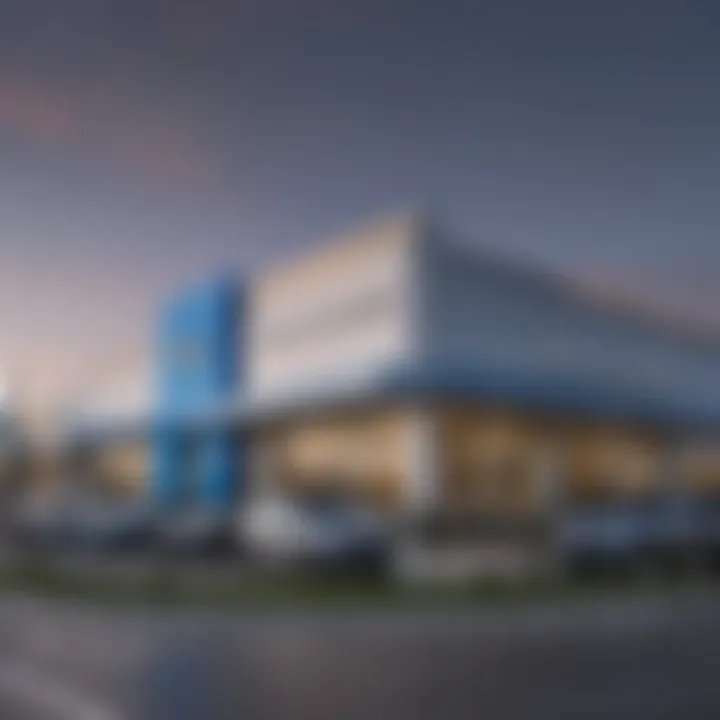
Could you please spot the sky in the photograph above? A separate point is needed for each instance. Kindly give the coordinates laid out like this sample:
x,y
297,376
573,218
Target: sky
x,y
144,143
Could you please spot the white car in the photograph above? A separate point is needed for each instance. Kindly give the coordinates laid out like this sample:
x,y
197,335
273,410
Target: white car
x,y
317,532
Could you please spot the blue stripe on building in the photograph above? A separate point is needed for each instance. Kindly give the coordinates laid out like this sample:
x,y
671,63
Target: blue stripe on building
x,y
197,368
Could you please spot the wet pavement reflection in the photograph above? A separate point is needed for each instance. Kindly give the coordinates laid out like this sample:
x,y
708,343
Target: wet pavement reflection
x,y
170,665
354,669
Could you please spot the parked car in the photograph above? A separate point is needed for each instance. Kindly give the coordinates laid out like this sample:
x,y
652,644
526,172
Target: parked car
x,y
83,526
661,532
47,527
321,532
115,529
605,535
196,532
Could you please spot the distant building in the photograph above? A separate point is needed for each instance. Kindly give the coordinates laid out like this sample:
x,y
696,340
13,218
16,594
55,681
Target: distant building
x,y
14,450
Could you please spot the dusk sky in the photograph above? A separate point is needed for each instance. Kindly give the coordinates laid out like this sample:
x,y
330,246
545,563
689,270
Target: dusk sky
x,y
147,142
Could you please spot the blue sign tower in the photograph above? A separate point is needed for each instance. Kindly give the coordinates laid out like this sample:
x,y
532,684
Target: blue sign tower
x,y
196,455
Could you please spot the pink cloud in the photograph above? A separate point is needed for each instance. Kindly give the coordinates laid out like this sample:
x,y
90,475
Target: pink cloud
x,y
36,113
138,141
162,158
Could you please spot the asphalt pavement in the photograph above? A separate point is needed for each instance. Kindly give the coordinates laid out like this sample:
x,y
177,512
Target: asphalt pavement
x,y
636,659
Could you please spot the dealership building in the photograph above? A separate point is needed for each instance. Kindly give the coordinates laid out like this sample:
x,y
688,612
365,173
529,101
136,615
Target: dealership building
x,y
413,373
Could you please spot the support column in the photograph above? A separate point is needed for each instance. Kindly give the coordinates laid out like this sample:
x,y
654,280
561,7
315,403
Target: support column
x,y
262,475
424,489
671,481
549,484
167,460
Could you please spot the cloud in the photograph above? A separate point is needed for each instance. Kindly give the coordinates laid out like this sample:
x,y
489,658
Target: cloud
x,y
162,158
36,113
138,141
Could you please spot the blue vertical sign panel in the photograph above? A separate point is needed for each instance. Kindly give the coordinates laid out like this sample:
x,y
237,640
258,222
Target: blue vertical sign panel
x,y
197,371
167,457
219,468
